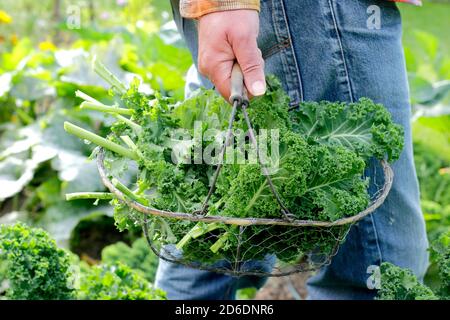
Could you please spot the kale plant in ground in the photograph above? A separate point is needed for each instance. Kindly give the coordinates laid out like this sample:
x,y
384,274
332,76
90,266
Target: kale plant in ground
x,y
116,282
401,284
137,256
33,267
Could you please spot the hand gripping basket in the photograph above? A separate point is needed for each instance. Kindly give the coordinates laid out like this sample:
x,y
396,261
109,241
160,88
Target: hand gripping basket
x,y
257,240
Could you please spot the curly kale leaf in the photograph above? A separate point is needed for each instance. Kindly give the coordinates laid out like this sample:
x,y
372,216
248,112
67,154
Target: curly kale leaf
x,y
173,187
249,194
138,257
34,267
269,111
314,182
401,284
116,282
335,188
363,126
441,248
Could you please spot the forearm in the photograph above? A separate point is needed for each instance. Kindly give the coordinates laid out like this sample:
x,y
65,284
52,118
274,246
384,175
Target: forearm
x,y
196,8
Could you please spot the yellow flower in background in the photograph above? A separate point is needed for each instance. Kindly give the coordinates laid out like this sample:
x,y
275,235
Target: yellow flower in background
x,y
443,171
14,39
47,46
4,17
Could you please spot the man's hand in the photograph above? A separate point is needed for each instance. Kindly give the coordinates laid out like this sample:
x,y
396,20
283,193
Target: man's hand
x,y
227,36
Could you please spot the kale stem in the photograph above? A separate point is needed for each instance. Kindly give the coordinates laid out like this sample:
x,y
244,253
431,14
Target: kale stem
x,y
98,140
220,242
187,237
222,239
129,142
86,97
133,125
129,193
198,230
108,76
89,195
205,229
104,108
131,145
97,105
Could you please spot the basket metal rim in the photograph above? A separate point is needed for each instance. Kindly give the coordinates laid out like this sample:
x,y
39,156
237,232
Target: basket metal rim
x,y
388,176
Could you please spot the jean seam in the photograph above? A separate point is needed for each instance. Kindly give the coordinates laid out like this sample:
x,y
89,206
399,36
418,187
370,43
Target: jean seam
x,y
372,220
287,56
339,40
288,32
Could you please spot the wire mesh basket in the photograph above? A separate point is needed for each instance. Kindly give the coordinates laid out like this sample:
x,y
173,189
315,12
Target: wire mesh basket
x,y
252,235
243,245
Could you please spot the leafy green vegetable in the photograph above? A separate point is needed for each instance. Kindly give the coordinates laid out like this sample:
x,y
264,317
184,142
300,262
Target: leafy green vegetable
x,y
401,284
116,282
364,126
33,266
138,257
314,181
441,248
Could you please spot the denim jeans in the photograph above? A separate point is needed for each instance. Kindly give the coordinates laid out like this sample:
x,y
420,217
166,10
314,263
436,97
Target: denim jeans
x,y
327,50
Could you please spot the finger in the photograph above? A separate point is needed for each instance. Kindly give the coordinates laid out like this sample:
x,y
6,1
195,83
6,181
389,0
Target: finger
x,y
221,77
251,62
215,61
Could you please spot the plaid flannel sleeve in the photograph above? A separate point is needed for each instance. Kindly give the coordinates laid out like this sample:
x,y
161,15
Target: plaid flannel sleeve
x,y
196,8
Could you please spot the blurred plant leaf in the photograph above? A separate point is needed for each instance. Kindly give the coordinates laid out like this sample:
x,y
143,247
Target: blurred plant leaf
x,y
49,192
60,218
16,171
31,88
428,42
11,60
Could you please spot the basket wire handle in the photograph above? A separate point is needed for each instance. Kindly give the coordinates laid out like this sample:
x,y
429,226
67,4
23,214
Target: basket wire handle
x,y
239,98
203,210
286,213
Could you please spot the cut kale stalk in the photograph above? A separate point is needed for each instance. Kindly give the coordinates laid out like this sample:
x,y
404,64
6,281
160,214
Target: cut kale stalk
x,y
98,140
